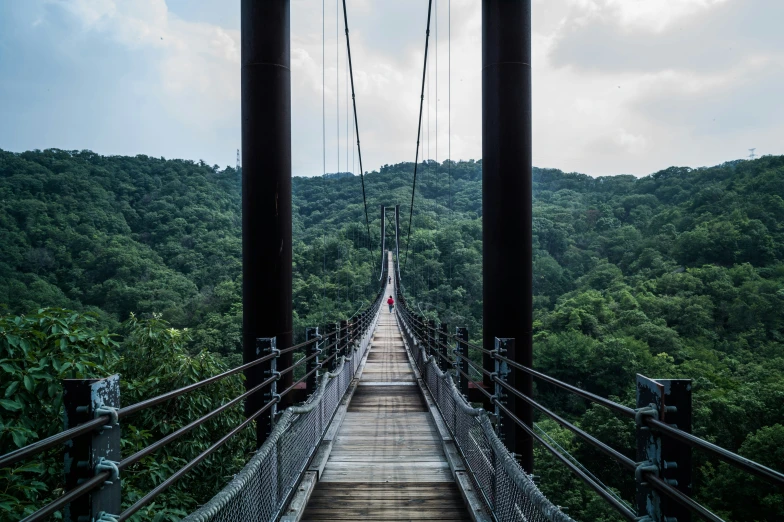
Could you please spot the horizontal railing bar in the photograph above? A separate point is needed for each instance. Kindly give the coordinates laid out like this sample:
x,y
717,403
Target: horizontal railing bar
x,y
299,363
163,486
473,365
682,498
618,408
294,385
622,509
83,488
327,347
443,345
601,446
478,385
91,425
452,336
731,458
300,345
727,456
60,438
136,457
128,410
92,484
100,478
443,357
325,361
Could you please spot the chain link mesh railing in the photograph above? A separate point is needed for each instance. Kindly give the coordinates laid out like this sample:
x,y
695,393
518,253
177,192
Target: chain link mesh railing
x,y
260,491
507,491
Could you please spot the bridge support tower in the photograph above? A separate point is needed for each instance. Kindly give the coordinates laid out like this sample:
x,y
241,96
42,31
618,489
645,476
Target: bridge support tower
x,y
266,189
506,197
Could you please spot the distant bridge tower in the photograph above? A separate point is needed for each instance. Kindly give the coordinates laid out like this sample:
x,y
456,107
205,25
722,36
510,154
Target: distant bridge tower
x,y
751,154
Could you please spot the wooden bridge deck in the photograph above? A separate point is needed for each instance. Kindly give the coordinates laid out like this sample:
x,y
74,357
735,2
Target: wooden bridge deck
x,y
387,461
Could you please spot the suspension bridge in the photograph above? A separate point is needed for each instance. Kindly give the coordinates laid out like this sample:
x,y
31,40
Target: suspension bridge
x,y
394,416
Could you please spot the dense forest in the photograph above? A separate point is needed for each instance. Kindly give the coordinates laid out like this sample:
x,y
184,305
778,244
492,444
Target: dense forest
x,y
679,274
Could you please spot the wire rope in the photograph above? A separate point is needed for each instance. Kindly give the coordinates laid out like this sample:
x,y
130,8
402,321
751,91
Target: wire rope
x,y
449,140
356,126
437,177
324,144
419,131
337,79
580,465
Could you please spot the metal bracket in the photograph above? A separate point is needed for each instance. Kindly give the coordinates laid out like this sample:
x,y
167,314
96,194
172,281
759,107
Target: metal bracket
x,y
103,516
273,373
648,466
648,411
112,412
108,465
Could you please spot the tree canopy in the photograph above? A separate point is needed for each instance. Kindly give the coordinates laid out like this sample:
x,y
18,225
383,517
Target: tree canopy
x,y
679,274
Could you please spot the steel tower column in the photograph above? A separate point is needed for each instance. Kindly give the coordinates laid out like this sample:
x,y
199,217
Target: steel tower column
x,y
506,197
266,189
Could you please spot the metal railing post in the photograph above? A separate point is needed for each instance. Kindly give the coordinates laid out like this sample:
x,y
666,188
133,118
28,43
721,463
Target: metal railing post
x,y
312,381
442,346
93,452
429,327
669,401
332,336
461,365
343,334
267,345
500,373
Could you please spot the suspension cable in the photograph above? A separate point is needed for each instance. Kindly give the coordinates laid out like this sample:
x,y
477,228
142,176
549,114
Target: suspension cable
x,y
419,130
356,126
449,137
324,141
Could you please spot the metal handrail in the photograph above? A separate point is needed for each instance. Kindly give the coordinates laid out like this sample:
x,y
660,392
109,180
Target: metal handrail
x,y
64,436
734,459
614,502
448,335
614,406
601,446
727,456
747,465
99,478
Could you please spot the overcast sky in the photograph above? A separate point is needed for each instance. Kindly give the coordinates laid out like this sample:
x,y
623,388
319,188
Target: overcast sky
x,y
620,86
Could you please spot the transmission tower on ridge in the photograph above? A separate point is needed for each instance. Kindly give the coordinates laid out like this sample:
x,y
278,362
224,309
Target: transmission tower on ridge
x,y
752,155
238,160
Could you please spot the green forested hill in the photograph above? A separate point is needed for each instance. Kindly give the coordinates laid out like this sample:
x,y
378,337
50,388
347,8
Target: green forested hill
x,y
678,274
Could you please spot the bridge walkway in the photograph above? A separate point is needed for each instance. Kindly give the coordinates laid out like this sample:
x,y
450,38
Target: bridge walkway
x,y
387,460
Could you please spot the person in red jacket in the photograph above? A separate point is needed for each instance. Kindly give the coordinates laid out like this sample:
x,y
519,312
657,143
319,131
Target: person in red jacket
x,y
391,303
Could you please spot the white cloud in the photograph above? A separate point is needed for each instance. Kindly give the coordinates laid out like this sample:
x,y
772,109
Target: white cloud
x,y
198,64
640,15
619,85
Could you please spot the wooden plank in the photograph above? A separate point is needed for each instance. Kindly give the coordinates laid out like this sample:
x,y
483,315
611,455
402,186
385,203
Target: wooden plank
x,y
386,513
380,475
412,501
374,439
387,383
358,443
374,416
385,425
297,506
387,460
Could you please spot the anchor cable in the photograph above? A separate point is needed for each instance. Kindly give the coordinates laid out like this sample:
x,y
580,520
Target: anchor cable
x,y
419,130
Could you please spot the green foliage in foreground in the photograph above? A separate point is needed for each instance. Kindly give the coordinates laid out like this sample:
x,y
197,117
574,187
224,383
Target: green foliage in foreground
x,y
679,274
38,350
